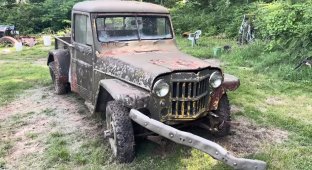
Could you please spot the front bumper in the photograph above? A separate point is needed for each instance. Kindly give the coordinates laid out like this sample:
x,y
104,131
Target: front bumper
x,y
189,139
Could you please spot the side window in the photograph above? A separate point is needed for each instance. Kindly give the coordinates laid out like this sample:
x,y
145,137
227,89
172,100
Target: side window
x,y
82,31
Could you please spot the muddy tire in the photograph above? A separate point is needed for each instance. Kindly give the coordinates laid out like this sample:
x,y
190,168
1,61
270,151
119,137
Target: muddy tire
x,y
59,87
221,123
121,139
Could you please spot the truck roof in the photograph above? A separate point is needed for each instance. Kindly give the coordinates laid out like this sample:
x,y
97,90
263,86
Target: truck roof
x,y
118,6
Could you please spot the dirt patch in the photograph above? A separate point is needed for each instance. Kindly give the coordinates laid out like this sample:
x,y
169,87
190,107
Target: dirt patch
x,y
236,109
248,137
275,101
29,121
41,62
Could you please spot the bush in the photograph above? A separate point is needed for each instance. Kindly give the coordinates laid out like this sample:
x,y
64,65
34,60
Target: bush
x,y
219,18
287,27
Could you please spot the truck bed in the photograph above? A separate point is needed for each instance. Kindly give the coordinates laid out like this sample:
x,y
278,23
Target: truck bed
x,y
62,42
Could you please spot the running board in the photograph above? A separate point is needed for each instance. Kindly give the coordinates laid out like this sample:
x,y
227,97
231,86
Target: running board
x,y
194,141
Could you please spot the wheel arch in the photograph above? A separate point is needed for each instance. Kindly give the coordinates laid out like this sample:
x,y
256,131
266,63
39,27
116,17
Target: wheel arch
x,y
61,57
230,83
125,94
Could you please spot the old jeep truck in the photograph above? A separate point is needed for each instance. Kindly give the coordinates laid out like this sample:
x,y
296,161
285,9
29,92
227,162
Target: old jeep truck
x,y
123,60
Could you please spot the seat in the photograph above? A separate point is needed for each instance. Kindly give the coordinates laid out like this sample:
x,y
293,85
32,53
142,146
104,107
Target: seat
x,y
193,37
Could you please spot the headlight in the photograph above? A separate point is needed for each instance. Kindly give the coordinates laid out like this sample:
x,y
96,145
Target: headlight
x,y
215,79
161,88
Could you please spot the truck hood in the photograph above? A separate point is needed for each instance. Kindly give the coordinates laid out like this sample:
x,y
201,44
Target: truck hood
x,y
143,69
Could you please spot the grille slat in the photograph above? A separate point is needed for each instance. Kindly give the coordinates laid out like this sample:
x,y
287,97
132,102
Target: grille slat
x,y
183,90
189,98
189,90
194,89
182,108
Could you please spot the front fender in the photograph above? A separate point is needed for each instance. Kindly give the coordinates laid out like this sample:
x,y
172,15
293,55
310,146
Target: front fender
x,y
230,83
124,93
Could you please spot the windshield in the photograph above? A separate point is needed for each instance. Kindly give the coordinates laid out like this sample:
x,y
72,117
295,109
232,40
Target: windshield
x,y
124,28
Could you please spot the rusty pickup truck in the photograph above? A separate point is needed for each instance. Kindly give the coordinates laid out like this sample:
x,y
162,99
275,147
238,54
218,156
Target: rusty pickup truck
x,y
123,60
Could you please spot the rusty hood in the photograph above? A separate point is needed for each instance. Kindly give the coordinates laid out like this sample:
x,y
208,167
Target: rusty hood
x,y
143,67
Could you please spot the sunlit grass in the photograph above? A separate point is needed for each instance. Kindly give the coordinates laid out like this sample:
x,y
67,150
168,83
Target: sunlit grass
x,y
18,71
16,77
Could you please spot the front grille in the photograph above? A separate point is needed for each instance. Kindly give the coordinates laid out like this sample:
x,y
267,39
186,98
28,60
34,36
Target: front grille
x,y
189,98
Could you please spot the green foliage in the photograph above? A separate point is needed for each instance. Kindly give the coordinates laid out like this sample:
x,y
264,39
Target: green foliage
x,y
38,15
212,18
287,26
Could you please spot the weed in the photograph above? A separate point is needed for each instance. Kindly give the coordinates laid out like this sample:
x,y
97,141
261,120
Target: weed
x,y
31,135
5,146
30,113
17,121
49,112
91,152
2,163
57,151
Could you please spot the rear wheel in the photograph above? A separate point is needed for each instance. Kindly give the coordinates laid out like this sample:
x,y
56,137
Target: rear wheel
x,y
120,132
59,87
220,119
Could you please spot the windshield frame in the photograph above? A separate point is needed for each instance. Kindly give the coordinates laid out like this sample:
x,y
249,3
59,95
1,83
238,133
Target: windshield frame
x,y
166,16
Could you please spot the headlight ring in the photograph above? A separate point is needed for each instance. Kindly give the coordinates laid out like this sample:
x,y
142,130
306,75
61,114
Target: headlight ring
x,y
216,79
161,88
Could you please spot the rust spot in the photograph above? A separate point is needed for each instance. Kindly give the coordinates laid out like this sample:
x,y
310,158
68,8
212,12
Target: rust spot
x,y
215,98
178,63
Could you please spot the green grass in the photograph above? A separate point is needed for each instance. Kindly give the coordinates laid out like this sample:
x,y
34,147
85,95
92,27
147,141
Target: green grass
x,y
18,72
5,146
49,112
31,135
29,54
91,152
57,151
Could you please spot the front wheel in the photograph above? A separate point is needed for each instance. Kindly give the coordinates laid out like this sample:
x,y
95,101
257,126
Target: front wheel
x,y
220,119
120,132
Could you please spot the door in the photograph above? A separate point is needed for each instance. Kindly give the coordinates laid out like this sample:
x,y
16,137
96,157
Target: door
x,y
82,62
